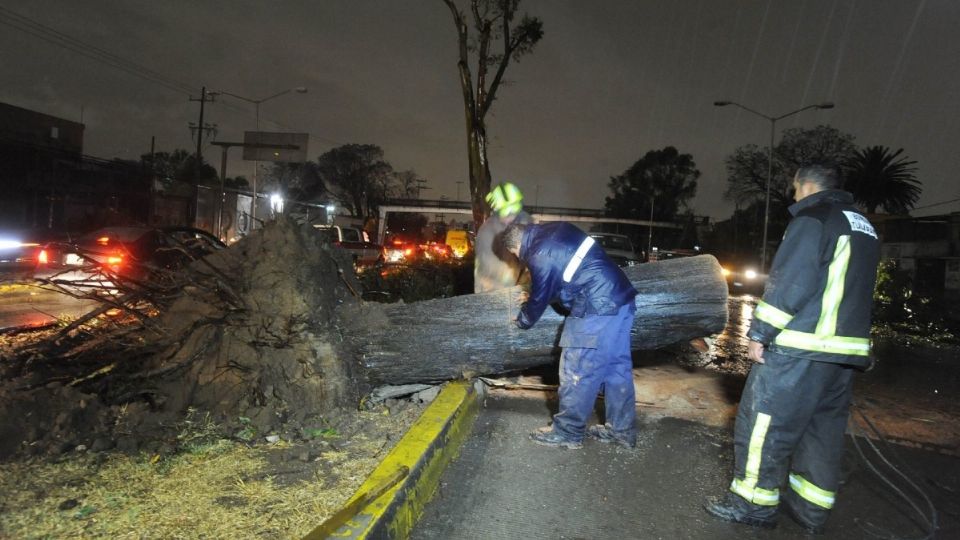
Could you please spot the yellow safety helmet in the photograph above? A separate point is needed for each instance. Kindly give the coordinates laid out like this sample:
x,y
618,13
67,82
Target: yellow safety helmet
x,y
505,199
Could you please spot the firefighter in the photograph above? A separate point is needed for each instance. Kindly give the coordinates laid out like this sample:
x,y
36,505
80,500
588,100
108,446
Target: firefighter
x,y
810,333
567,267
495,269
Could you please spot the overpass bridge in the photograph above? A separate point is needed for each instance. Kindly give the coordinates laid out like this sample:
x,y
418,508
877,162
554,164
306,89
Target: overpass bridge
x,y
539,213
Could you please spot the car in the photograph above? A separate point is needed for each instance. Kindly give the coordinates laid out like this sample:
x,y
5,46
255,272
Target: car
x,y
400,250
104,256
19,249
744,278
657,254
460,242
356,241
436,251
618,247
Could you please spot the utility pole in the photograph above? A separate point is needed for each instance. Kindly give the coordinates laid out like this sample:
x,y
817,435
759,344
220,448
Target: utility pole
x,y
650,230
420,182
153,180
203,99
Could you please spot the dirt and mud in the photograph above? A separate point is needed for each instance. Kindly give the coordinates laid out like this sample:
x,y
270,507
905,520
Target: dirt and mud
x,y
250,338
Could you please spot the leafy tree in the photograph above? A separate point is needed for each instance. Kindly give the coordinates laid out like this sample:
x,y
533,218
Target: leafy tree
x,y
665,178
747,166
493,22
357,176
236,182
179,166
734,240
407,184
878,177
299,181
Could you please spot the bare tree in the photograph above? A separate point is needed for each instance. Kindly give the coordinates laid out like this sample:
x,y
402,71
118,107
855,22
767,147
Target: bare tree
x,y
492,20
407,184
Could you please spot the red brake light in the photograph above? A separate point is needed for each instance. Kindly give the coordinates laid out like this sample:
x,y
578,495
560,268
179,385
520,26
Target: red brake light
x,y
408,251
43,257
103,240
114,260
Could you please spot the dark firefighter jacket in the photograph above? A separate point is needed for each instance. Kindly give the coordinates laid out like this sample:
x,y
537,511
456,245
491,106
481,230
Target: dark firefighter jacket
x,y
817,301
597,286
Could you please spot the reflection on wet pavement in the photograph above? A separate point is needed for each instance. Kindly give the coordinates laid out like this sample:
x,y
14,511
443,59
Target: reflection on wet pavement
x,y
911,393
729,352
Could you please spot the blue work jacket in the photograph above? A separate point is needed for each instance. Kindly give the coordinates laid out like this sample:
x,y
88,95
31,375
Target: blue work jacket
x,y
596,287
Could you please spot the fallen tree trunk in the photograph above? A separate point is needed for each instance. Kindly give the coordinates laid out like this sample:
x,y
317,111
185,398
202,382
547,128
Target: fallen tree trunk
x,y
448,338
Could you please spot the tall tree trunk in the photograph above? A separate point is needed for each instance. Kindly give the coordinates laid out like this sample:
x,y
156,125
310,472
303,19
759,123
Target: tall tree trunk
x,y
479,170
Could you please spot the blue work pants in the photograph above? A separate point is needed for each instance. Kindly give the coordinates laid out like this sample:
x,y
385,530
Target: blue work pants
x,y
596,356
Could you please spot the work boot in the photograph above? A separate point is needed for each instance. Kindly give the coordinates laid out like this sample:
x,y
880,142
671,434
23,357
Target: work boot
x,y
736,509
605,434
803,523
548,437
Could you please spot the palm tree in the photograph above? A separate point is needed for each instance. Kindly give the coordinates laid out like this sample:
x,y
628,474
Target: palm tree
x,y
878,177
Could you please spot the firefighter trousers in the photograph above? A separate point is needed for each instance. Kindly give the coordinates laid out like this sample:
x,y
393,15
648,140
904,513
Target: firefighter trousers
x,y
596,356
790,423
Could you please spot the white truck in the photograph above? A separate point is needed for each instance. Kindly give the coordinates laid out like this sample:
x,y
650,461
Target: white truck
x,y
364,252
618,247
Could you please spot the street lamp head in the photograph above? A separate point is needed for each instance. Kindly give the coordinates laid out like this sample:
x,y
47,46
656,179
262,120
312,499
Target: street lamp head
x,y
721,103
825,105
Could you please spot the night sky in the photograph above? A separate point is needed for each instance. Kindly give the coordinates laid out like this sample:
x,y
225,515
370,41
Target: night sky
x,y
608,82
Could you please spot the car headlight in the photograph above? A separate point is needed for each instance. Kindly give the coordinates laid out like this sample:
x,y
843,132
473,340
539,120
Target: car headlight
x,y
750,274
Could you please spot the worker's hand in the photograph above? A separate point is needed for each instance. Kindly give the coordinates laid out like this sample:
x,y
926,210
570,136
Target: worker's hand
x,y
522,298
519,323
755,351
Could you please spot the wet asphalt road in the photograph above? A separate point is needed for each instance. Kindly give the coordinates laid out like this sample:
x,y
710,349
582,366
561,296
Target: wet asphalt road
x,y
503,486
24,306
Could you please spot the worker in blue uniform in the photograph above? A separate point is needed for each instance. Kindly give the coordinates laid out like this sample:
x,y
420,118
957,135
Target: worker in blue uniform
x,y
566,267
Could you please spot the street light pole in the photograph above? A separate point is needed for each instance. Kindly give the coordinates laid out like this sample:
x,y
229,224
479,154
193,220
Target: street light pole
x,y
650,230
773,123
256,163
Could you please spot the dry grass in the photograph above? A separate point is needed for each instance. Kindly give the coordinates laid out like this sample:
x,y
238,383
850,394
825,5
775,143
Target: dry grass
x,y
219,489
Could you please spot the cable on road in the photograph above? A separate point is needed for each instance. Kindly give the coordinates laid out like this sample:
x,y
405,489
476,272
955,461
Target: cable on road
x,y
929,517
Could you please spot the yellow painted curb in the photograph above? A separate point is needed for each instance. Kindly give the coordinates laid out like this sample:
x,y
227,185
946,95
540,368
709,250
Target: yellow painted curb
x,y
425,450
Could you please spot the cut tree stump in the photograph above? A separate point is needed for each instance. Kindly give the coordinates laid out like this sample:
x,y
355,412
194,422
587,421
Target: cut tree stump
x,y
470,335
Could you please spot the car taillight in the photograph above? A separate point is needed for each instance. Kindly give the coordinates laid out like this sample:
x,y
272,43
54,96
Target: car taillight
x,y
115,260
408,251
43,257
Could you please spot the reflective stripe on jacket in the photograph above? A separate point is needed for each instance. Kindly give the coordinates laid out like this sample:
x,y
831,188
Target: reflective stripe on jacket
x,y
596,285
819,293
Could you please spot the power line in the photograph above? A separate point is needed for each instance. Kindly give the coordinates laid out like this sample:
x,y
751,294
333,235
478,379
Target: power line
x,y
50,35
937,204
55,37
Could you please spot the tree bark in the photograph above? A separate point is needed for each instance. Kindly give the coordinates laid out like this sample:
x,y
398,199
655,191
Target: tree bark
x,y
449,338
